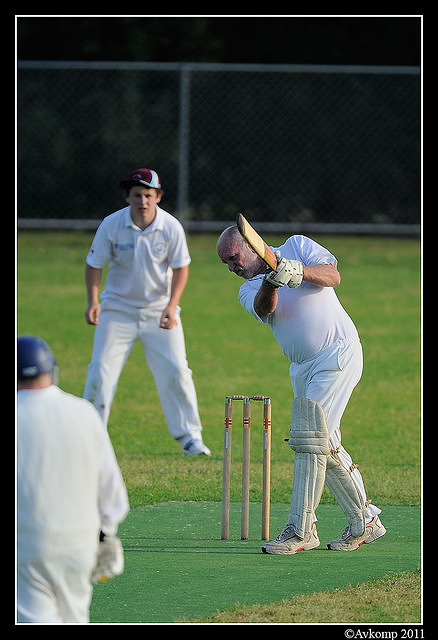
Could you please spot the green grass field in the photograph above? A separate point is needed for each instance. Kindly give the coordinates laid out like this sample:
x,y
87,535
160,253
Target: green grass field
x,y
230,353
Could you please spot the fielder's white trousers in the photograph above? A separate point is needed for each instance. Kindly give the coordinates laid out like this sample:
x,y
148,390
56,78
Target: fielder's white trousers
x,y
54,590
329,379
165,353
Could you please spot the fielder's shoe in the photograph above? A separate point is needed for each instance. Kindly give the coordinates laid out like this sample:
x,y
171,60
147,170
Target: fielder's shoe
x,y
288,542
196,447
374,529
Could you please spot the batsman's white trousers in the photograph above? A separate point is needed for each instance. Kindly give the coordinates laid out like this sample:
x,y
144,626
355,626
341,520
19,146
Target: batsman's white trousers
x,y
165,353
329,379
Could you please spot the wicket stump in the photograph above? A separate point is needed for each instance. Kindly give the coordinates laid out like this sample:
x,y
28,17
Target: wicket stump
x,y
246,458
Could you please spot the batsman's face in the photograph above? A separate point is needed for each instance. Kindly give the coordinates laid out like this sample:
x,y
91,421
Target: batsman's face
x,y
241,260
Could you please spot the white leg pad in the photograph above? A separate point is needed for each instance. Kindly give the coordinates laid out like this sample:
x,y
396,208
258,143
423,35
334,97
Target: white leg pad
x,y
309,475
308,430
347,489
309,438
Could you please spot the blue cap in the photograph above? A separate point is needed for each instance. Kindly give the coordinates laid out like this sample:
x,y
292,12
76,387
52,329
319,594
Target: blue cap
x,y
33,357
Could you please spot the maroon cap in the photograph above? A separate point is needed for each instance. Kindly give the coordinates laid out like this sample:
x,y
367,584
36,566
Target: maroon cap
x,y
143,177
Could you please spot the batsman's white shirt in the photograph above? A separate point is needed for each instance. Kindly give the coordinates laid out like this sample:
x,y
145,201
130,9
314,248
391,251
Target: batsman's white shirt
x,y
308,318
139,262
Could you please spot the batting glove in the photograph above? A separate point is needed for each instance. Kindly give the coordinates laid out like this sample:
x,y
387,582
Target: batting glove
x,y
288,272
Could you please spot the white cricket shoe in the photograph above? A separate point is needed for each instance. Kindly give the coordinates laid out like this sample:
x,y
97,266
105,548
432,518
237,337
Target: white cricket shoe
x,y
374,530
288,542
196,447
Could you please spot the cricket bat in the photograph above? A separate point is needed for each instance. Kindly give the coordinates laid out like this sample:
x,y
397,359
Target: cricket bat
x,y
256,242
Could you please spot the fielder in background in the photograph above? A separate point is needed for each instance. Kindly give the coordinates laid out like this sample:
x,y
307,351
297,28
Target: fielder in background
x,y
71,496
320,340
148,260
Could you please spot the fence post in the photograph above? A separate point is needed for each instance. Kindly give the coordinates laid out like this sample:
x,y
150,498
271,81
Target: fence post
x,y
183,143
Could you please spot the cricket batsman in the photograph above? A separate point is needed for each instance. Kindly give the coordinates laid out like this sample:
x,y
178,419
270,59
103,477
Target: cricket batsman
x,y
297,300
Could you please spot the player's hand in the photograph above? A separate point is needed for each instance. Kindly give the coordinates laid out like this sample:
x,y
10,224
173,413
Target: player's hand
x,y
92,313
110,559
288,272
168,319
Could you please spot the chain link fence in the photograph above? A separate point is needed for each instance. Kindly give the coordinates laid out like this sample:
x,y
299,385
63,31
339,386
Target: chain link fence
x,y
291,147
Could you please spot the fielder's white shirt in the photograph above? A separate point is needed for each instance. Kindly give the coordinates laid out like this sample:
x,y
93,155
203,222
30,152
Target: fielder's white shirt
x,y
308,318
140,263
69,485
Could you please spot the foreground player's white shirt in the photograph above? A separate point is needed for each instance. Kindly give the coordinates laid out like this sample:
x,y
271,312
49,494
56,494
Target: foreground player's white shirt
x,y
140,262
308,318
69,485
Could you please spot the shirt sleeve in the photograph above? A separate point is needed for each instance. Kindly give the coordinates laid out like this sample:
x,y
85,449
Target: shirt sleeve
x,y
306,251
247,294
100,250
179,255
113,496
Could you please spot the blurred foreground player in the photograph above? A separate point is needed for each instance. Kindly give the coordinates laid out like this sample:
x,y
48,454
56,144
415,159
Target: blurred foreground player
x,y
71,496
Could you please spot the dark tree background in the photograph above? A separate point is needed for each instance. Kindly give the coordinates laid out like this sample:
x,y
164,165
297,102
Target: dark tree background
x,y
77,122
280,40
